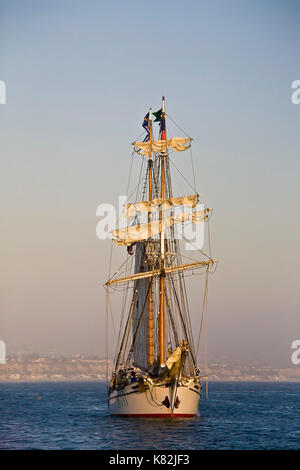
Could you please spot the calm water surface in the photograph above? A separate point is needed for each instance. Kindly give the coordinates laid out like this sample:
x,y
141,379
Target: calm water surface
x,y
70,415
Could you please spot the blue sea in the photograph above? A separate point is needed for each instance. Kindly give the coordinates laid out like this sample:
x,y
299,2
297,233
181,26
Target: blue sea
x,y
74,415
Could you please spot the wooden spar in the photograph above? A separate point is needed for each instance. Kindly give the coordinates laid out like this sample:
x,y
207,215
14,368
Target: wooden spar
x,y
157,272
150,296
162,250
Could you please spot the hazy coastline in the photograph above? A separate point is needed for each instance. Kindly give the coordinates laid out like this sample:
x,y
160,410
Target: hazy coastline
x,y
52,368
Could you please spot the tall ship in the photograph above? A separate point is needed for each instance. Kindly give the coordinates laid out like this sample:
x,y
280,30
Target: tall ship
x,y
155,372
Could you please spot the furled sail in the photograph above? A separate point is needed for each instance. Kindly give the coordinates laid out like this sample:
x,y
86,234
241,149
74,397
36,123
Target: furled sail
x,y
175,358
178,144
135,233
156,204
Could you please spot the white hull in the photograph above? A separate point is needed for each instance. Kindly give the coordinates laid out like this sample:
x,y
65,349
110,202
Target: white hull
x,y
183,401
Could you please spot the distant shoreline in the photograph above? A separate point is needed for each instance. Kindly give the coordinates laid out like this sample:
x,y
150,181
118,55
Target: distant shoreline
x,y
33,368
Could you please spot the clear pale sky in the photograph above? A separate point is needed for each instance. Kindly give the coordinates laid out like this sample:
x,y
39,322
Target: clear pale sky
x,y
80,76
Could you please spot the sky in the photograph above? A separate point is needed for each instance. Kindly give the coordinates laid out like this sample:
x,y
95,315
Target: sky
x,y
80,76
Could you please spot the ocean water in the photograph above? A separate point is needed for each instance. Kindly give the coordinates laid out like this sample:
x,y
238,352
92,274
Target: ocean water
x,y
74,415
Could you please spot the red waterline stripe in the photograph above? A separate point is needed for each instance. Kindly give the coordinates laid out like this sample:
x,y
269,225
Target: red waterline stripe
x,y
156,415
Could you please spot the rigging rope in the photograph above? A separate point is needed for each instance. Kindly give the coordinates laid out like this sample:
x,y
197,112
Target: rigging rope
x,y
204,321
187,181
193,169
180,128
106,338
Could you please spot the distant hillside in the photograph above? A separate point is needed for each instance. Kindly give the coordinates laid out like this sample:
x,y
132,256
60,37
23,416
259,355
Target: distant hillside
x,y
33,367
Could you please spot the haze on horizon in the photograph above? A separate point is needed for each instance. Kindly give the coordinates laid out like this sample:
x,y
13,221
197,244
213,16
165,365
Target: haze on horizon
x,y
80,77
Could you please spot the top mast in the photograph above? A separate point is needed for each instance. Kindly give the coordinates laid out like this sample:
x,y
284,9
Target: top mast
x,y
162,245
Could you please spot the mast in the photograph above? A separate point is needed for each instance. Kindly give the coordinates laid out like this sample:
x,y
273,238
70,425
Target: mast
x,y
162,249
150,297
